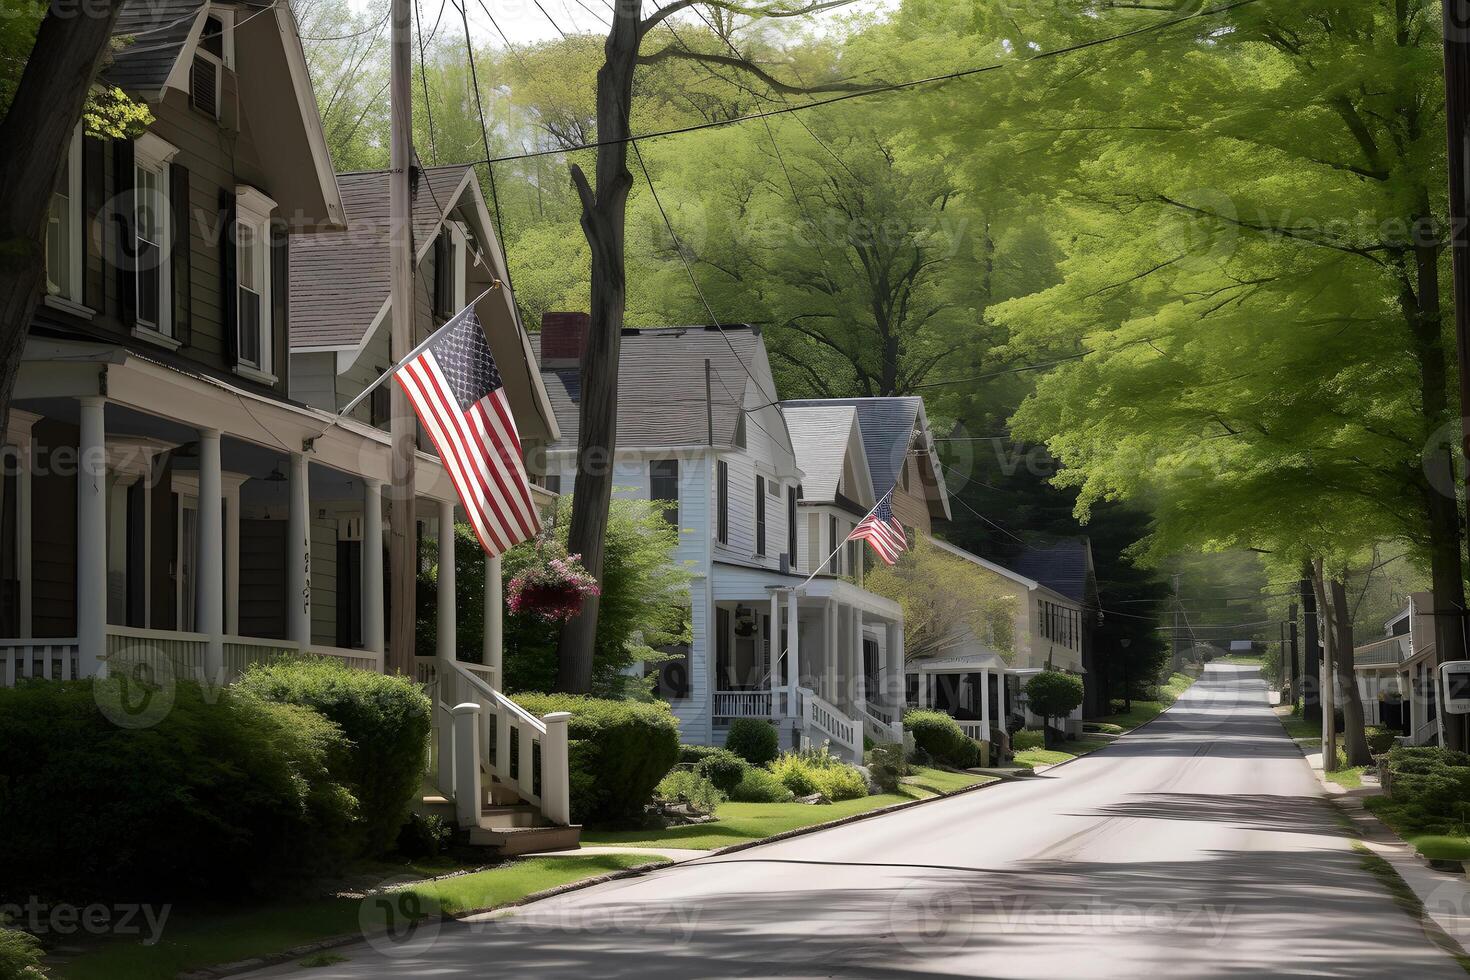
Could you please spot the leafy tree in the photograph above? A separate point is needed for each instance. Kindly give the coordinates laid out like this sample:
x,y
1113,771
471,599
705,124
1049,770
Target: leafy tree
x,y
1053,694
947,601
645,602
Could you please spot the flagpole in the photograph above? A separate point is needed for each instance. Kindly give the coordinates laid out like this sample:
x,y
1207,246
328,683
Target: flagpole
x,y
408,357
843,544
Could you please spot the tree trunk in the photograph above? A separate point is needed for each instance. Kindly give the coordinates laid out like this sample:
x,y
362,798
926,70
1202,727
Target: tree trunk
x,y
1354,739
1311,684
35,135
1442,519
1330,652
603,214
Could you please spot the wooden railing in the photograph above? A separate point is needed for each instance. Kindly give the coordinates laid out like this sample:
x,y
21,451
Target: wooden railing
x,y
742,704
37,657
181,654
822,717
526,754
424,672
878,724
974,729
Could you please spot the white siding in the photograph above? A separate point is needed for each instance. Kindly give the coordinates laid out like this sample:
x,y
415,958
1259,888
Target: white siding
x,y
314,380
695,723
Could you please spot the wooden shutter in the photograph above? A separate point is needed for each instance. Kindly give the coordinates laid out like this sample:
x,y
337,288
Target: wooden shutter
x,y
94,193
228,297
125,237
280,332
180,260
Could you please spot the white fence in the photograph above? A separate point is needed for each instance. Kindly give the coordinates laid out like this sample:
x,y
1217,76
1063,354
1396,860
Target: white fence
x,y
742,704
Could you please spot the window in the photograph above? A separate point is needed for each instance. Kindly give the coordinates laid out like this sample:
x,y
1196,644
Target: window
x,y
151,234
212,55
253,283
663,484
791,526
722,502
63,228
760,515
832,548
443,277
552,482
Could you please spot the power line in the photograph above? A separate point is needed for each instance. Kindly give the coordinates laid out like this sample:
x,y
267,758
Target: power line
x,y
881,89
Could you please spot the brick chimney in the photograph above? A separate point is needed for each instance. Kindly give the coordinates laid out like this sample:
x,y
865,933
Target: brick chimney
x,y
562,337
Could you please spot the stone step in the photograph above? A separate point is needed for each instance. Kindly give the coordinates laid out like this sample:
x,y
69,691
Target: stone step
x,y
518,815
524,840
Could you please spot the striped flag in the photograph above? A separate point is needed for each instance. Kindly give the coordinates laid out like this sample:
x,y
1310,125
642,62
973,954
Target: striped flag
x,y
457,392
883,531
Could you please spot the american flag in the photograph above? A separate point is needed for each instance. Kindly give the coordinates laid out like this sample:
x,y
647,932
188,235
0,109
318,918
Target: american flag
x,y
456,389
883,531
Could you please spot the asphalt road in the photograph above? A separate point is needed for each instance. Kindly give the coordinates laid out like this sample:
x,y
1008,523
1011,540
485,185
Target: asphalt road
x,y
1198,847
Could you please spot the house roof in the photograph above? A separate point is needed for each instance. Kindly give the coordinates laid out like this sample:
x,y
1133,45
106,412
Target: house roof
x,y
826,438
661,386
1062,567
888,425
340,280
159,31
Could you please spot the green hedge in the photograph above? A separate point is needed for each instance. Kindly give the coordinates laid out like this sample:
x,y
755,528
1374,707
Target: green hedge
x,y
619,752
1433,782
723,768
760,786
20,955
938,736
753,740
1028,738
386,720
224,794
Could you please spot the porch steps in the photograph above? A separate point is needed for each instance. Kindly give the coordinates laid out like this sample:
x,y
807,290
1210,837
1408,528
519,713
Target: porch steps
x,y
510,841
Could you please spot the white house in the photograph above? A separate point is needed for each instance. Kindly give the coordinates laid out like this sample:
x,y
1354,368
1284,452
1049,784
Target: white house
x,y
699,427
1396,673
173,497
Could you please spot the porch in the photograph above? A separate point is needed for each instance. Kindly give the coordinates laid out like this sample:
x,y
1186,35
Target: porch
x,y
824,660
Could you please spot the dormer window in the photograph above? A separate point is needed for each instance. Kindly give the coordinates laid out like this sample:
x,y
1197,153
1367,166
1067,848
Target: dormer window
x,y
214,53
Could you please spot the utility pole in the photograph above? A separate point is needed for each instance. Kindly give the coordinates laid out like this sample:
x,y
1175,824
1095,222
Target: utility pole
x,y
1293,675
1456,14
1311,667
403,536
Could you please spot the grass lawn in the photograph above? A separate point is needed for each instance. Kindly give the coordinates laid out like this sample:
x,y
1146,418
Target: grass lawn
x,y
1241,660
196,938
740,822
1145,711
939,781
1070,750
1350,777
1437,838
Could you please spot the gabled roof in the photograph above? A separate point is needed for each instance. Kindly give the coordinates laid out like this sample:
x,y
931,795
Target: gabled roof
x,y
888,425
828,443
1062,567
340,280
1025,581
155,34
661,386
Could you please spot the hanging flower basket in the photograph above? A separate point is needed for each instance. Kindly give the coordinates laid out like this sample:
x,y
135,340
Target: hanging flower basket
x,y
552,590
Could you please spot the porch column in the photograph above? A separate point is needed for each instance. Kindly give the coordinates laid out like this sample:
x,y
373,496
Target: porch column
x,y
210,617
372,565
298,555
445,634
92,538
895,682
985,703
23,535
859,672
793,658
494,619
829,649
924,677
773,641
232,561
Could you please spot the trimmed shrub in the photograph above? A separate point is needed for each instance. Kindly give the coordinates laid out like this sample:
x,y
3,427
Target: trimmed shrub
x,y
838,783
223,787
1380,739
1028,738
796,773
1053,694
386,720
424,836
887,766
619,752
681,785
1430,782
940,739
753,740
760,786
723,768
20,955
690,755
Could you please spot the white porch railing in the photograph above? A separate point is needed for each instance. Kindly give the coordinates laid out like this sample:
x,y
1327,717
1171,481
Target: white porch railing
x,y
822,717
37,657
742,704
974,729
424,672
528,755
183,652
878,724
